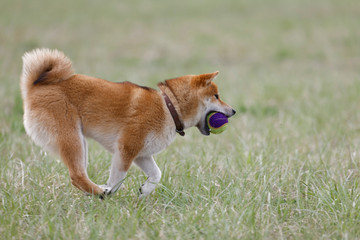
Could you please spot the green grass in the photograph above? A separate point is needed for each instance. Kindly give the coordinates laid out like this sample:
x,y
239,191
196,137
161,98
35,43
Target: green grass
x,y
286,168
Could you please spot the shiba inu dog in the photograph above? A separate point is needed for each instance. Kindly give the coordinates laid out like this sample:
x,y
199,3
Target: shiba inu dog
x,y
133,122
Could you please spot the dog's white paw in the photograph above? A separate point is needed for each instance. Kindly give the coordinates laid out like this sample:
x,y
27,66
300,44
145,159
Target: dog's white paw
x,y
107,189
146,189
141,194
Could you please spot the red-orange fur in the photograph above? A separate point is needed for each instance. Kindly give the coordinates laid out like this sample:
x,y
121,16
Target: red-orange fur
x,y
60,108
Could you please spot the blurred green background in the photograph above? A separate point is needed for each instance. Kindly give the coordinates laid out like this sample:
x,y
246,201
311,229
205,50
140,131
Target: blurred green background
x,y
288,165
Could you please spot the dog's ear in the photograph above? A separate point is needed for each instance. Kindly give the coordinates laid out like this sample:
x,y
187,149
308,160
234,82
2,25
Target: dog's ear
x,y
206,79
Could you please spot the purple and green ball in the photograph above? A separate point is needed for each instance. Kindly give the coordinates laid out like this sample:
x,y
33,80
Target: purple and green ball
x,y
217,122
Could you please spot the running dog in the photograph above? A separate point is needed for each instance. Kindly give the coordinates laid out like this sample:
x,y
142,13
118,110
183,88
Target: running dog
x,y
62,109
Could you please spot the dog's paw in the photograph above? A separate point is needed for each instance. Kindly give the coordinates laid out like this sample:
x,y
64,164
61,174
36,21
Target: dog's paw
x,y
106,188
141,196
144,192
140,193
107,191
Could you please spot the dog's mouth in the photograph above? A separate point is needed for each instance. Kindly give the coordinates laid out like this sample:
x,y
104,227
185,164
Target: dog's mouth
x,y
203,126
204,129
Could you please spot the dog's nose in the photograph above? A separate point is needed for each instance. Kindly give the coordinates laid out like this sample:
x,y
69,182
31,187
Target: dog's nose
x,y
233,111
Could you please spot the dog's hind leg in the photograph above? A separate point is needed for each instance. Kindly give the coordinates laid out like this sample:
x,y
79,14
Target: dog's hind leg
x,y
150,168
72,149
85,146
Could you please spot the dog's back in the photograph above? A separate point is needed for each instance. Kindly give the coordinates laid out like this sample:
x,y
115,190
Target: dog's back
x,y
55,98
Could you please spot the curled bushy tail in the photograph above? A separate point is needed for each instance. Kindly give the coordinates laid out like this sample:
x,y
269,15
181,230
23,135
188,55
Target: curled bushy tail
x,y
44,66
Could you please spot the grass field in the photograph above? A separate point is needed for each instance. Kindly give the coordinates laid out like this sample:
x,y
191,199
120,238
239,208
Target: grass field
x,y
286,168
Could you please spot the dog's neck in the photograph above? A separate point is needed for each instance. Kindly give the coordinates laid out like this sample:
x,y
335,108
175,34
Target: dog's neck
x,y
169,99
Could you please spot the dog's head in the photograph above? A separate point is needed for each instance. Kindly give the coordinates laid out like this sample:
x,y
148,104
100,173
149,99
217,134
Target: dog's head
x,y
197,96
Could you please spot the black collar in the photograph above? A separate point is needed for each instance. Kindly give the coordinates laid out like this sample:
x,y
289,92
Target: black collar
x,y
179,125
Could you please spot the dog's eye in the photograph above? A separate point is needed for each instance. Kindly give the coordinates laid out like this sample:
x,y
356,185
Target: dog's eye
x,y
216,96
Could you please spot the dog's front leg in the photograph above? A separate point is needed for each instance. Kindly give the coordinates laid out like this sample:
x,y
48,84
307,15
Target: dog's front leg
x,y
150,168
117,173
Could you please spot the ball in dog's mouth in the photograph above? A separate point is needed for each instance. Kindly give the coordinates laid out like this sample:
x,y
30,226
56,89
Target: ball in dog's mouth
x,y
216,122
